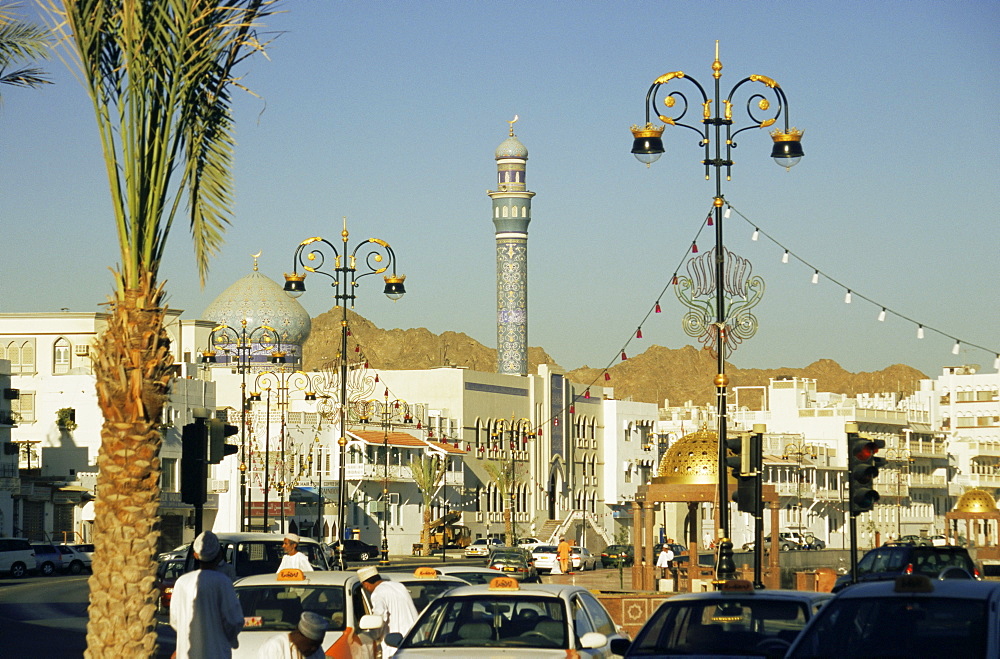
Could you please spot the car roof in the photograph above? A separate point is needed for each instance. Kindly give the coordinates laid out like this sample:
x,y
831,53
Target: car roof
x,y
958,588
453,569
312,578
255,536
804,596
410,576
531,589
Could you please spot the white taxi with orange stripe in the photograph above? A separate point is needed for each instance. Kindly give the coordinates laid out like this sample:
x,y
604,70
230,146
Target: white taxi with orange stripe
x,y
508,619
273,603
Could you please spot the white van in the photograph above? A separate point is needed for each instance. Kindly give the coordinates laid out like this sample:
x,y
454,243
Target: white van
x,y
17,558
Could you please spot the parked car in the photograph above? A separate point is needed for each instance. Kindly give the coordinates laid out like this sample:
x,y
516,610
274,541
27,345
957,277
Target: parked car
x,y
509,619
909,616
74,561
473,574
918,540
812,542
787,541
503,549
179,551
736,620
166,575
581,559
86,549
888,562
17,558
515,565
481,547
355,550
546,557
615,555
529,543
48,559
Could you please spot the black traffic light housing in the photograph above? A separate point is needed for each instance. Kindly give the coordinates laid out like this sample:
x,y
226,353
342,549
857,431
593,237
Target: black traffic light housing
x,y
194,441
747,464
218,430
862,467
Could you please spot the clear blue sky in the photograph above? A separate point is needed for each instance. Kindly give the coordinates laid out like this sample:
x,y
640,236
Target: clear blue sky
x,y
389,114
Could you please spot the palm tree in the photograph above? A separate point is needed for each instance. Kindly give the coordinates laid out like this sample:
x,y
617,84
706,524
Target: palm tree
x,y
158,73
428,472
504,477
20,43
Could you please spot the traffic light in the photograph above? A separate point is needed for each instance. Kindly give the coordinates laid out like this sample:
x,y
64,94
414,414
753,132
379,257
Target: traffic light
x,y
862,468
747,466
217,446
194,489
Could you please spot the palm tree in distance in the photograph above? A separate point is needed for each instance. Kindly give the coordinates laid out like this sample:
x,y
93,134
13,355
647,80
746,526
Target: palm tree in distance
x,y
20,44
428,473
159,75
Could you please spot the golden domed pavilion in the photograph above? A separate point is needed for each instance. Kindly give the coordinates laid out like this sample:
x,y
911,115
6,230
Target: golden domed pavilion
x,y
688,473
982,519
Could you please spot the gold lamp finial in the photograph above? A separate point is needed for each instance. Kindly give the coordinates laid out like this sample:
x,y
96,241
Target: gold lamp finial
x,y
512,122
255,257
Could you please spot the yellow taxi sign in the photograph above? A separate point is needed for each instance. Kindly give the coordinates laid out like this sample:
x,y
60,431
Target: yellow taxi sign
x,y
425,573
291,574
504,583
736,586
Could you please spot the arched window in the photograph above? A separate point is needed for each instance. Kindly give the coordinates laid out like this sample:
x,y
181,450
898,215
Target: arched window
x,y
61,356
506,211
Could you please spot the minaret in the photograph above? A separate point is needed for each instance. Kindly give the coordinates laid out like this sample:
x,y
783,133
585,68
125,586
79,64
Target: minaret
x,y
511,215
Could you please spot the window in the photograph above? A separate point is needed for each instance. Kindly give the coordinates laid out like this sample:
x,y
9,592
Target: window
x,y
24,407
168,475
986,395
21,354
963,396
60,356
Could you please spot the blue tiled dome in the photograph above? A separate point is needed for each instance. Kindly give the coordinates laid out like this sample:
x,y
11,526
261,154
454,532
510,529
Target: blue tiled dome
x,y
261,301
512,148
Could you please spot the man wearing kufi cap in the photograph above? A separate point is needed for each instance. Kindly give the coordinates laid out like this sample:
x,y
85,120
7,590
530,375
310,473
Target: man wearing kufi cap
x,y
306,641
293,558
203,608
391,601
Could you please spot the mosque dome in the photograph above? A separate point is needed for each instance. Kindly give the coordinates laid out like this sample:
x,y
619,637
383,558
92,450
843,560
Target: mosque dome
x,y
976,501
692,460
512,148
261,301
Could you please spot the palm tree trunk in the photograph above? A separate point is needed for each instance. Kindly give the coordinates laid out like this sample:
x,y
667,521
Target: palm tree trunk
x,y
425,534
133,369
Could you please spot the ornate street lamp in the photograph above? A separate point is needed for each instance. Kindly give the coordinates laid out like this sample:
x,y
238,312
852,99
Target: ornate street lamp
x,y
376,257
243,348
518,432
281,382
799,451
716,136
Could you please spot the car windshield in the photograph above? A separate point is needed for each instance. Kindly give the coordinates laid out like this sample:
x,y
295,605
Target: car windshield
x,y
278,608
261,557
730,626
898,627
425,591
544,549
474,577
490,621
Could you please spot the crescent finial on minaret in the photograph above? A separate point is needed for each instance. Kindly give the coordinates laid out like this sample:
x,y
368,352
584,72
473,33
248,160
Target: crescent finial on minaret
x,y
255,257
512,122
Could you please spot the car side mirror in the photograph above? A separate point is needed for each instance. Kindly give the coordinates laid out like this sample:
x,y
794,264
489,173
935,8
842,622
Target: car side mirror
x,y
393,639
370,622
592,640
619,645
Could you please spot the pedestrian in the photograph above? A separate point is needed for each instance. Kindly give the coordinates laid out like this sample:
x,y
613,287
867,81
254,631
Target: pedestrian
x,y
664,560
293,558
204,610
562,551
304,642
391,601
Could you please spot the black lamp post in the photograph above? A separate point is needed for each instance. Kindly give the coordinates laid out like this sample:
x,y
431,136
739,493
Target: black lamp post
x,y
717,137
241,347
376,257
281,381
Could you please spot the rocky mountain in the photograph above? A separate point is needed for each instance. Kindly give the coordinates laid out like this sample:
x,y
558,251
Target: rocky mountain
x,y
675,375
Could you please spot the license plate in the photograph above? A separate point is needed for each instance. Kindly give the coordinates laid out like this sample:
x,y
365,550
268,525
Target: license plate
x,y
510,569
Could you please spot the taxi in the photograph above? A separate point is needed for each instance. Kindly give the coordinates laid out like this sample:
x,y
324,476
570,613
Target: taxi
x,y
272,604
735,620
508,619
472,574
424,584
912,616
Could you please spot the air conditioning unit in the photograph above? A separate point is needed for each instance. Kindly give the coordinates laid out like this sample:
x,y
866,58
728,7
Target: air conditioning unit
x,y
376,507
218,486
81,350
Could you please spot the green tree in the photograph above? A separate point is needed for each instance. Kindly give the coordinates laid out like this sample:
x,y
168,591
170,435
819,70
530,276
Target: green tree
x,y
428,473
20,44
159,75
504,476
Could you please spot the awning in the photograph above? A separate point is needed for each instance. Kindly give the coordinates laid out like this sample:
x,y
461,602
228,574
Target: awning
x,y
309,494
